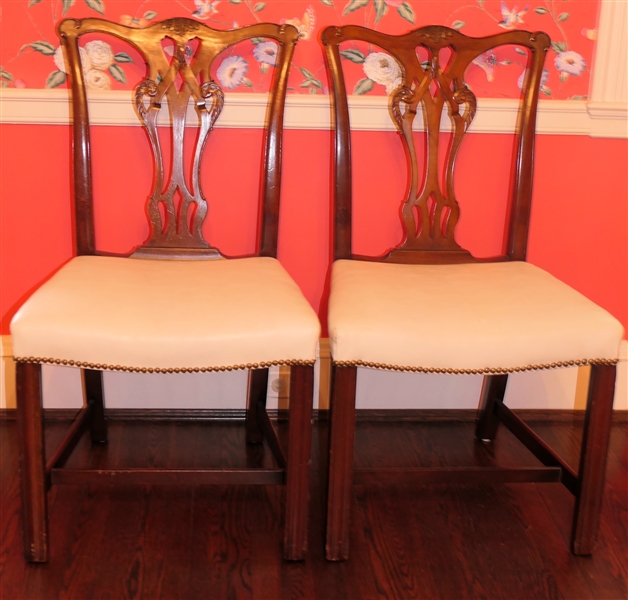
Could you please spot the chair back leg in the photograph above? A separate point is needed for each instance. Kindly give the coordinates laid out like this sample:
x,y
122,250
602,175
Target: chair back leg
x,y
30,430
493,392
256,401
341,441
299,459
94,396
595,437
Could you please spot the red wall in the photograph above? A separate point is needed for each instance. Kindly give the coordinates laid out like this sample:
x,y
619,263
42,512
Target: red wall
x,y
578,229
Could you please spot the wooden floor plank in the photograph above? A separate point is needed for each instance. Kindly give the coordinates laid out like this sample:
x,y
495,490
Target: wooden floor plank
x,y
439,541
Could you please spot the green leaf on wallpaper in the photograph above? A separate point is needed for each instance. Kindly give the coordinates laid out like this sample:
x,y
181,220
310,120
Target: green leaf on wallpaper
x,y
247,82
5,75
458,24
363,86
316,83
559,47
380,10
563,16
259,6
327,2
353,5
117,73
481,2
541,11
67,5
564,77
313,91
256,40
41,47
578,98
33,2
520,51
123,57
150,15
405,10
546,90
306,84
55,79
235,1
307,74
353,55
97,5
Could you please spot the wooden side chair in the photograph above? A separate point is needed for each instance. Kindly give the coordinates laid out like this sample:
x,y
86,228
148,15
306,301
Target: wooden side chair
x,y
175,305
429,306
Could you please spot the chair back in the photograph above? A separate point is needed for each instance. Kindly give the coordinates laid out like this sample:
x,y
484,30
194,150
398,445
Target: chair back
x,y
430,211
177,209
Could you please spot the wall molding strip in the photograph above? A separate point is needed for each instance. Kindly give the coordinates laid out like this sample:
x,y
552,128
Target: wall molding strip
x,y
368,113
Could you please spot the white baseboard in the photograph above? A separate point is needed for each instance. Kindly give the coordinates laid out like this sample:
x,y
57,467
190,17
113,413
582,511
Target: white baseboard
x,y
368,113
551,389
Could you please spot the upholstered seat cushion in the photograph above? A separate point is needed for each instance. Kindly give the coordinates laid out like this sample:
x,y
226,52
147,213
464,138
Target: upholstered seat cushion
x,y
136,314
464,318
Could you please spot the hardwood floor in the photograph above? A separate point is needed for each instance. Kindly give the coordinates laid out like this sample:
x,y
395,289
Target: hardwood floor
x,y
508,541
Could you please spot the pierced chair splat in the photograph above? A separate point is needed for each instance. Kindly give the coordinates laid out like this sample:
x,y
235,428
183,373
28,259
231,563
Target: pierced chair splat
x,y
176,305
430,306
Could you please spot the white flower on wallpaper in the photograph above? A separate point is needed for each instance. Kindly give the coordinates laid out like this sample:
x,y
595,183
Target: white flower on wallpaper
x,y
266,53
99,54
544,78
383,69
570,62
96,58
232,71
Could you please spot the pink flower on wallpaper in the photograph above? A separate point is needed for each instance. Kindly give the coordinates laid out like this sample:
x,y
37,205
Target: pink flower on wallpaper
x,y
486,62
510,18
570,62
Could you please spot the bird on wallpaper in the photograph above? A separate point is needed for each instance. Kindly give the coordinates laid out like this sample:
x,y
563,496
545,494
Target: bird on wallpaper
x,y
205,9
510,18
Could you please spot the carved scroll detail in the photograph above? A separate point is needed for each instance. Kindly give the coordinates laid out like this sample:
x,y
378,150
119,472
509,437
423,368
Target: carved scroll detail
x,y
146,88
180,26
465,96
403,94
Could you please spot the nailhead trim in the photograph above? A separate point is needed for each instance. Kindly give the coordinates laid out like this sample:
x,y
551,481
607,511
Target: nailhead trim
x,y
491,371
103,367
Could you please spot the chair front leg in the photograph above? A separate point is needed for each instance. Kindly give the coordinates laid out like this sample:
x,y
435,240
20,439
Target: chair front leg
x,y
299,459
341,441
30,430
595,437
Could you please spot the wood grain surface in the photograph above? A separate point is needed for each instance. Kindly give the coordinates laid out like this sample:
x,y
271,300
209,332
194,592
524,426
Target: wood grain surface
x,y
408,541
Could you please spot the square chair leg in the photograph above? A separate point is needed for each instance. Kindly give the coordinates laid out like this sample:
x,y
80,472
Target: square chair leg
x,y
30,430
299,459
341,437
597,428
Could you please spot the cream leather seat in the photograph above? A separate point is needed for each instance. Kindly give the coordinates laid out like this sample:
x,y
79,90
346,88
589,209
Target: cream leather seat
x,y
146,315
467,318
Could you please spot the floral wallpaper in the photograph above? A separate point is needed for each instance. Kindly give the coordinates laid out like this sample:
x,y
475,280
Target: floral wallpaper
x,y
30,55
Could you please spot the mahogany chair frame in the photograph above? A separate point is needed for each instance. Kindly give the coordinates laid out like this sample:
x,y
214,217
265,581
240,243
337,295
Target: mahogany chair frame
x,y
435,244
179,237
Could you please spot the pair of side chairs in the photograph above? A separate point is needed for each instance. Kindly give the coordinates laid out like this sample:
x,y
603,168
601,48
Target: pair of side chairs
x,y
176,304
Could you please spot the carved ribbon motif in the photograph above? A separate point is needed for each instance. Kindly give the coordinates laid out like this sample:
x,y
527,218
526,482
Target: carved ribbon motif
x,y
172,225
